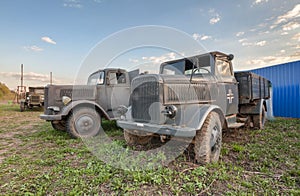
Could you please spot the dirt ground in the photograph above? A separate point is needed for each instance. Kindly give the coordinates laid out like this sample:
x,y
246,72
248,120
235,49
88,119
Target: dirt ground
x,y
20,123
252,161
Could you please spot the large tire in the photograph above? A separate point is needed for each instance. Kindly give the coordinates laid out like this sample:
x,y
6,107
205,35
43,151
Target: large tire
x,y
135,139
208,140
59,125
260,119
22,106
84,122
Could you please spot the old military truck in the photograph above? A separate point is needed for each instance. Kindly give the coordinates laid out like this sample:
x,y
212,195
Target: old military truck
x,y
78,109
33,98
195,97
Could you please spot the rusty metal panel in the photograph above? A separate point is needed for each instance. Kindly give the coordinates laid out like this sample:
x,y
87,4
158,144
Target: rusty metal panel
x,y
286,88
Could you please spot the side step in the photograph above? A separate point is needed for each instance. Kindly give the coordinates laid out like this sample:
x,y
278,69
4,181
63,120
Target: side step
x,y
235,125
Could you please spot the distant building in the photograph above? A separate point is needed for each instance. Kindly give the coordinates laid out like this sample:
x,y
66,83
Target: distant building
x,y
285,80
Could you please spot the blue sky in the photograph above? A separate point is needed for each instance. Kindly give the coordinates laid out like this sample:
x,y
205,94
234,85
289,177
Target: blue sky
x,y
57,35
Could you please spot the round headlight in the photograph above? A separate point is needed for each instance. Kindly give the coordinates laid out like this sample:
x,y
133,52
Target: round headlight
x,y
66,100
171,111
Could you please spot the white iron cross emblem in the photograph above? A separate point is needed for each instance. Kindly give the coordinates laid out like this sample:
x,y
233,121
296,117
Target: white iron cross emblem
x,y
230,96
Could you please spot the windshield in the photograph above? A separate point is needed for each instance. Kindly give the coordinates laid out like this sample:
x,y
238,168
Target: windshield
x,y
177,67
187,66
39,91
96,78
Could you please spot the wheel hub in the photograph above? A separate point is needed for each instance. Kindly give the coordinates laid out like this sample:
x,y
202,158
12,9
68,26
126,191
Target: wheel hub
x,y
84,123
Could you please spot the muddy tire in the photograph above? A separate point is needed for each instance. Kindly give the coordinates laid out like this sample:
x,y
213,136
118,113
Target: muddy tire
x,y
59,125
208,140
259,120
135,139
84,122
22,106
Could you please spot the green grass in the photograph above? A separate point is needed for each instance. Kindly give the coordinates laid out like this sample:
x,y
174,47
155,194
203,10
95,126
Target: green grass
x,y
38,160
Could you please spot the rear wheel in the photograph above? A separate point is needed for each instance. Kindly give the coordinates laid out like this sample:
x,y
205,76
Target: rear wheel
x,y
208,140
136,139
22,106
59,125
84,122
260,119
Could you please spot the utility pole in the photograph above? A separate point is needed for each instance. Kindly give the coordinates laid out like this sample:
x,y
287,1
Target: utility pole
x,y
50,78
21,75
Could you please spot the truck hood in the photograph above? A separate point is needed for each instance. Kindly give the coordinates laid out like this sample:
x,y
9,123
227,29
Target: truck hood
x,y
54,93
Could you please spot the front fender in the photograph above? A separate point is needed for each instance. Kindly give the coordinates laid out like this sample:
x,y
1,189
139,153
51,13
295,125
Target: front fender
x,y
199,116
67,109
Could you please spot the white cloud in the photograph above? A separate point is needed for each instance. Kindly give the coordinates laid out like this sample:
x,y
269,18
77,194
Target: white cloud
x,y
274,60
160,59
261,43
48,40
238,34
242,40
215,19
198,37
133,60
256,2
29,76
205,37
292,14
72,4
284,33
296,37
33,48
290,26
264,32
247,44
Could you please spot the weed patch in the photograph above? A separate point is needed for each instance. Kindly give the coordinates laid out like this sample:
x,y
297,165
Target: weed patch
x,y
37,160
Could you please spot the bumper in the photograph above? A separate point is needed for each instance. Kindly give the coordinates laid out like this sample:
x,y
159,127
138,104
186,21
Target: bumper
x,y
50,117
158,129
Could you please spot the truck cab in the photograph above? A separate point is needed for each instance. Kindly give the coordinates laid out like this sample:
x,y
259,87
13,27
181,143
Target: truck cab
x,y
79,109
214,67
195,97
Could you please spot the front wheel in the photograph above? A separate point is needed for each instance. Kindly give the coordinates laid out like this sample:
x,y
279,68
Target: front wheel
x,y
84,122
22,106
208,140
59,125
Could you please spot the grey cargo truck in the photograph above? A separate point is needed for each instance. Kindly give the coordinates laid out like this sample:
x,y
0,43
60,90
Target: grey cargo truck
x,y
195,97
78,109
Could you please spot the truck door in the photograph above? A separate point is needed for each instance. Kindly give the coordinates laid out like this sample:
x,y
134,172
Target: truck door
x,y
227,85
117,90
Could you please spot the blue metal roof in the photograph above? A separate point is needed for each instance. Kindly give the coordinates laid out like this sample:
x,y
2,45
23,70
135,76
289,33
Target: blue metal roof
x,y
285,80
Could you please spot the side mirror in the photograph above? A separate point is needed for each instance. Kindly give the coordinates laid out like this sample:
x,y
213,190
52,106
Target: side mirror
x,y
230,57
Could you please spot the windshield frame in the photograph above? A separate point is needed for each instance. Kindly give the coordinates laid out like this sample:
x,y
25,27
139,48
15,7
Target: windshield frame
x,y
96,78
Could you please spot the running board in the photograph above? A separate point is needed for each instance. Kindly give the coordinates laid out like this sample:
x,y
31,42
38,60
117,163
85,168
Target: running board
x,y
235,125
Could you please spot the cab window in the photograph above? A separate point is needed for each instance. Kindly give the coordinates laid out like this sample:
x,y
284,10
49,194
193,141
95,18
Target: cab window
x,y
116,78
223,68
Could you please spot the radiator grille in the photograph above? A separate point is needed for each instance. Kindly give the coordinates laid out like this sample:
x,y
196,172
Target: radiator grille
x,y
79,93
35,99
142,99
186,93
